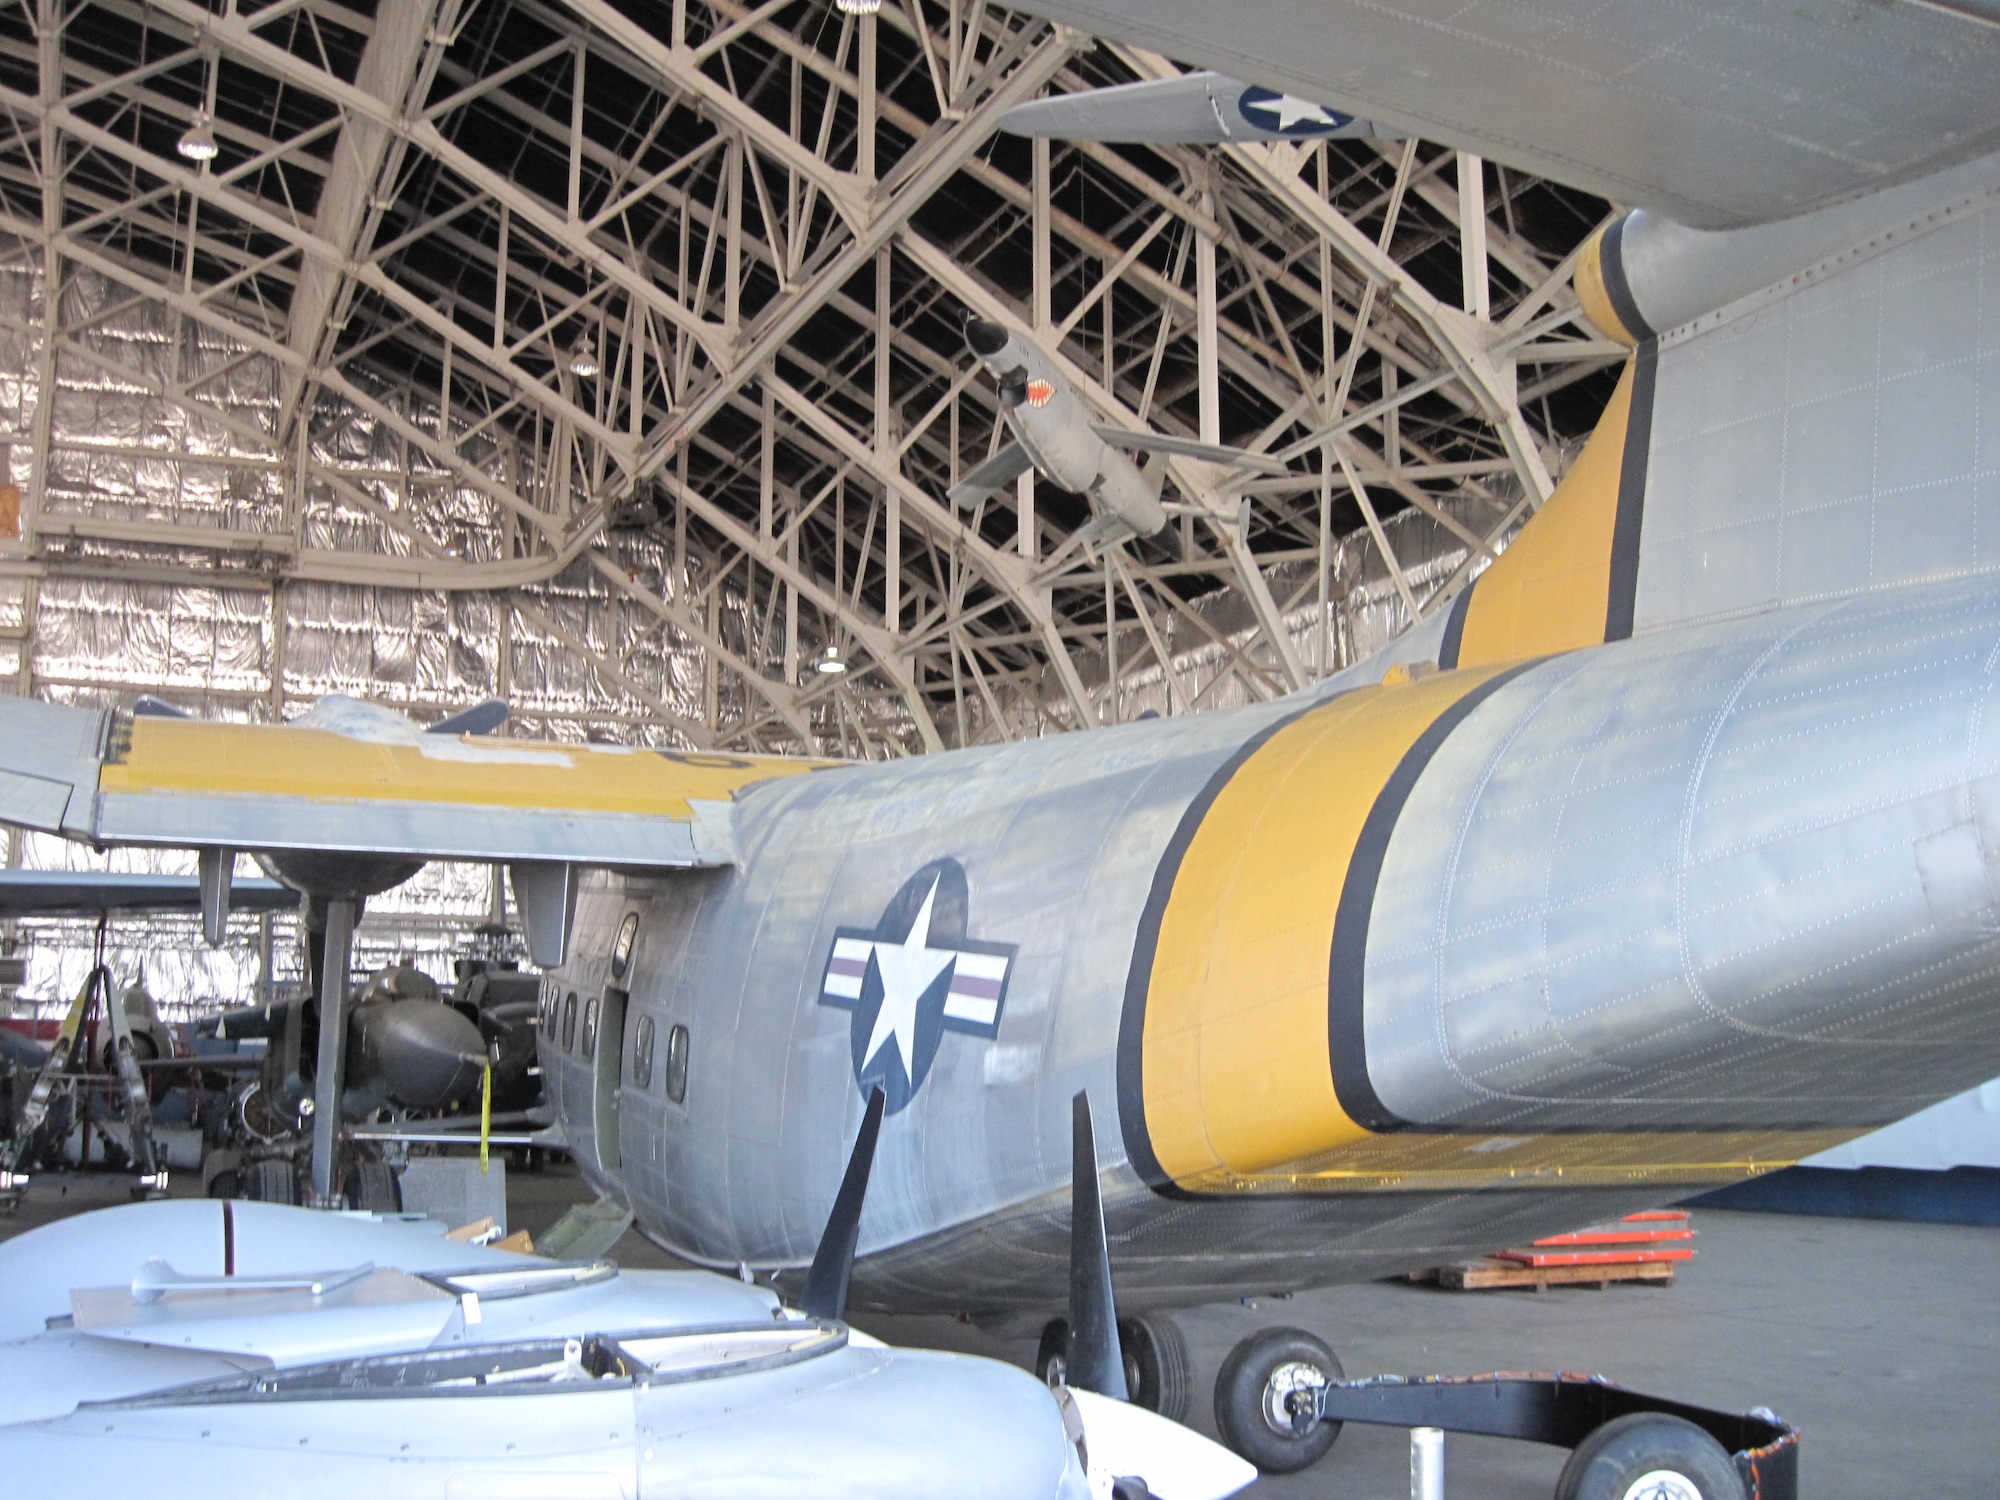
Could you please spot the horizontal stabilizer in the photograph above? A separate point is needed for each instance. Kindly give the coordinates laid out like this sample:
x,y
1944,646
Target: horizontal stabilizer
x,y
1180,447
1197,109
1002,469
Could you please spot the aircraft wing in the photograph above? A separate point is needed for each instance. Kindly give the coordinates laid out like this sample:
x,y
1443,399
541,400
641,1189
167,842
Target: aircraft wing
x,y
1716,113
999,471
49,893
110,778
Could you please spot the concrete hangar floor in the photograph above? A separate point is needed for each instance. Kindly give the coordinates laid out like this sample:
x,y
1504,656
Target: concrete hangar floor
x,y
1881,1340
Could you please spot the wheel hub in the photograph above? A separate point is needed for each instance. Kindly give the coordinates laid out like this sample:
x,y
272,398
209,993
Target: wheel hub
x,y
1661,1484
1291,1400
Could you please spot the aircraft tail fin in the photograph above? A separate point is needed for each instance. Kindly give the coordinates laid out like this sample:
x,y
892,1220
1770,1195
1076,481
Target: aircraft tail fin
x,y
1833,434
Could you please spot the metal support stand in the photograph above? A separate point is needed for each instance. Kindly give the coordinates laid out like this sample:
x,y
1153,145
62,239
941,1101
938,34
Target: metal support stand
x,y
329,1074
1547,1407
1426,1463
68,1067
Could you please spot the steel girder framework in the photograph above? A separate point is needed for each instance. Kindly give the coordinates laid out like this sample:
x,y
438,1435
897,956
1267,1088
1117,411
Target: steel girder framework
x,y
639,324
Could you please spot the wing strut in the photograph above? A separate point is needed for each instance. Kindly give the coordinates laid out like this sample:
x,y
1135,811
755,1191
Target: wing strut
x,y
330,1075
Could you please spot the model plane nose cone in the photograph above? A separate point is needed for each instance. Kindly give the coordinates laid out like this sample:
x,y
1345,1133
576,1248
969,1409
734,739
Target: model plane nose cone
x,y
984,339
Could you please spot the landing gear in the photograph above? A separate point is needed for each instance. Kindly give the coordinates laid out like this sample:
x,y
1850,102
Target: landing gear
x,y
372,1187
1156,1364
1157,1370
1267,1399
1052,1357
271,1180
1652,1455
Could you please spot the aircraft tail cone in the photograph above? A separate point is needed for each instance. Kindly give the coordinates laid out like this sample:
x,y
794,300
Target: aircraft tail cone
x,y
825,1294
983,338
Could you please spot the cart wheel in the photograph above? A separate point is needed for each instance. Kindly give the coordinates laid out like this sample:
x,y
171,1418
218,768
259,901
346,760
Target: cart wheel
x,y
1648,1456
1260,1383
271,1181
1156,1364
373,1188
1052,1356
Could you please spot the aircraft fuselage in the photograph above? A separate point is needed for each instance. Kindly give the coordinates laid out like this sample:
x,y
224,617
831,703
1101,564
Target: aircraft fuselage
x,y
1371,976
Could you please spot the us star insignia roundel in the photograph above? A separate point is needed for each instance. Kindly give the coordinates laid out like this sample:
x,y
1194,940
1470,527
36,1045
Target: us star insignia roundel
x,y
913,977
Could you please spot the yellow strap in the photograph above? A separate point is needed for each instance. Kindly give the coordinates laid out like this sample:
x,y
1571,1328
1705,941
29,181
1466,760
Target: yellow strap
x,y
485,1111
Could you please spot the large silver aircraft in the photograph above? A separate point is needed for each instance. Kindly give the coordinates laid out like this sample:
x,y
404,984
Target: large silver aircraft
x,y
1667,854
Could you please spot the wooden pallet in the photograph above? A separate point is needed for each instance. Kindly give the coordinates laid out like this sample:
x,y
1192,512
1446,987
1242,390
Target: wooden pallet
x,y
1493,1274
1641,1248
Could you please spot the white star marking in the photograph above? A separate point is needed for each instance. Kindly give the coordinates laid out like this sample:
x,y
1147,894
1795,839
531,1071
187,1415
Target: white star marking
x,y
1292,110
908,969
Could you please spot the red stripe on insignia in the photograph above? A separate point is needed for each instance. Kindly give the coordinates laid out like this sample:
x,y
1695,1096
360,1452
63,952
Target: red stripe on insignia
x,y
975,989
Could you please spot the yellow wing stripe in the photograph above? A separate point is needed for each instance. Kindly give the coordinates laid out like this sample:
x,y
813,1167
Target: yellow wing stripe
x,y
1235,1070
173,756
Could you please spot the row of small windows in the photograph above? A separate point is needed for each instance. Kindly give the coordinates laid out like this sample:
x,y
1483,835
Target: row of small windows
x,y
559,1021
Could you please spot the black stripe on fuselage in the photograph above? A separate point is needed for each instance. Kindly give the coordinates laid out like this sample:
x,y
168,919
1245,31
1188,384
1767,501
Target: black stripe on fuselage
x,y
1622,597
1139,978
1454,628
1611,271
1347,1040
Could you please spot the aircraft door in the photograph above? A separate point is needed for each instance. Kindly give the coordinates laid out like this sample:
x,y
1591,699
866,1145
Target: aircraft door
x,y
607,1074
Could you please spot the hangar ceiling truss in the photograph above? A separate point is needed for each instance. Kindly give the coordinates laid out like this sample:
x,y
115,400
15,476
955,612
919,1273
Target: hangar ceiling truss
x,y
621,342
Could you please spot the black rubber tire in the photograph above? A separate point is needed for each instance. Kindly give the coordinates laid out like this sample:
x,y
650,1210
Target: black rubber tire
x,y
372,1188
1156,1364
1240,1392
1052,1355
225,1184
1607,1464
270,1181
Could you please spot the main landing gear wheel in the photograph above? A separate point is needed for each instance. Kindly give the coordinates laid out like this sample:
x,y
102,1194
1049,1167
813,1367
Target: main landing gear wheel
x,y
1052,1356
1156,1364
373,1188
1265,1390
1648,1456
271,1181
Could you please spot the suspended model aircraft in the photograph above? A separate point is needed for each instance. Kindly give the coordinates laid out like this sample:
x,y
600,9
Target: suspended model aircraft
x,y
1054,436
1667,854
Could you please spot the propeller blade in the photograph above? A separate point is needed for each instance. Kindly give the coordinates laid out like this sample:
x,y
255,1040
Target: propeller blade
x,y
1096,1363
146,706
825,1294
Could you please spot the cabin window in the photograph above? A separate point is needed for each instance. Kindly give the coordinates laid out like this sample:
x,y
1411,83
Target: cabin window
x,y
590,1028
642,1054
621,947
569,1022
677,1063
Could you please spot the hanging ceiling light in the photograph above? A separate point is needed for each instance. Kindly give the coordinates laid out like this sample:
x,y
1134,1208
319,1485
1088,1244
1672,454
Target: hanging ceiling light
x,y
857,7
583,359
831,662
198,143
